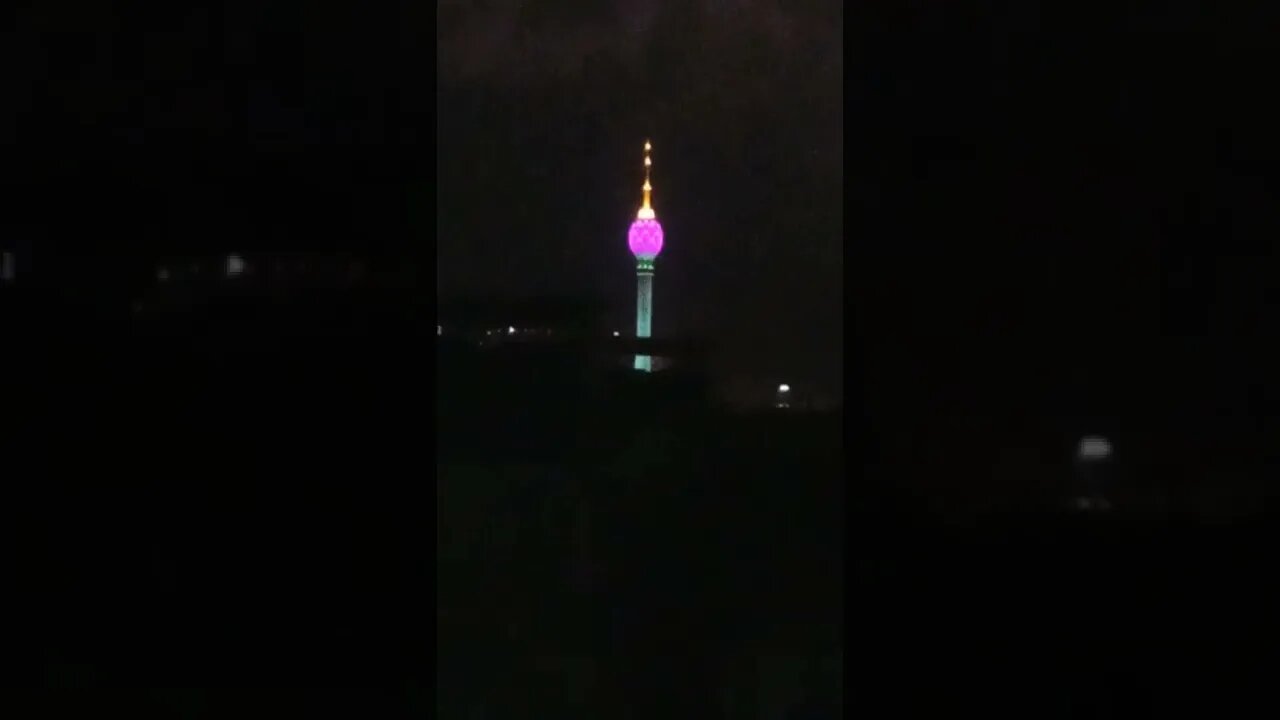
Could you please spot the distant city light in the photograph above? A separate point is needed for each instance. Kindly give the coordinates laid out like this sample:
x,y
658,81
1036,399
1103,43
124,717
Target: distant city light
x,y
1094,448
1091,504
439,330
511,330
617,334
783,398
162,274
235,265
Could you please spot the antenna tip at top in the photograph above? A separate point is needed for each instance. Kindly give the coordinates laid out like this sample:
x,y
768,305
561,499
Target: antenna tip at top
x,y
647,146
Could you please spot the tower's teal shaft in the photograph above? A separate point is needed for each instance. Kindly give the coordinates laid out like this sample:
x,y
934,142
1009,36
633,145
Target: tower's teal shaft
x,y
644,312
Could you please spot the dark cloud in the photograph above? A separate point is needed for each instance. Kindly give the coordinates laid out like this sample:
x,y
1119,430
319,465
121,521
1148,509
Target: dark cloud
x,y
737,75
518,42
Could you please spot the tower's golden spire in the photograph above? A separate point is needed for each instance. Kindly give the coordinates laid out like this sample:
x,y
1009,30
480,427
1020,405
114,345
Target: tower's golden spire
x,y
646,209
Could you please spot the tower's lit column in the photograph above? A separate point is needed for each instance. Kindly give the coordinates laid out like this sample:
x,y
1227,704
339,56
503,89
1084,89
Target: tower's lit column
x,y
644,308
645,241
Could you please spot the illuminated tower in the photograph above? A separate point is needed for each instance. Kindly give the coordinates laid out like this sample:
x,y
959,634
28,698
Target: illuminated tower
x,y
645,241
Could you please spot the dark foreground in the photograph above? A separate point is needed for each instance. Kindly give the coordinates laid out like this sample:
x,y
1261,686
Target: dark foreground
x,y
593,591
231,513
207,515
1060,616
648,556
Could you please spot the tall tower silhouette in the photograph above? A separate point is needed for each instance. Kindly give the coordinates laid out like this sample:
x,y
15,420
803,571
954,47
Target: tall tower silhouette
x,y
645,241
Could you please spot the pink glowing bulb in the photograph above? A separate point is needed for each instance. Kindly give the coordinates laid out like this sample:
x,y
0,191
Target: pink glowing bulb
x,y
645,238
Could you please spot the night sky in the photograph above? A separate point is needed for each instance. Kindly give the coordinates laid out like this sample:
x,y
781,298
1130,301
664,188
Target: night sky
x,y
292,126
281,126
1070,223
543,109
1056,214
